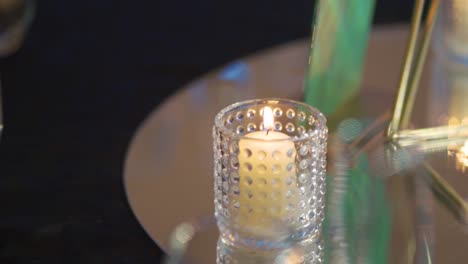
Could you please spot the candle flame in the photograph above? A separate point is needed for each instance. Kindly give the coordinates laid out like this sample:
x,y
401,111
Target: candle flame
x,y
268,121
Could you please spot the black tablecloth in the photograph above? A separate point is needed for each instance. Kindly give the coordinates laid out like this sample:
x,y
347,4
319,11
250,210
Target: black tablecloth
x,y
86,76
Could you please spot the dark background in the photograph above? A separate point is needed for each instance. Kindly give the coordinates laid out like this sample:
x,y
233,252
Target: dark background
x,y
85,77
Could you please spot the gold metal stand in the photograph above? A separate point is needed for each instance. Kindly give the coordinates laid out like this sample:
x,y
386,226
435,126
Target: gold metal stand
x,y
426,139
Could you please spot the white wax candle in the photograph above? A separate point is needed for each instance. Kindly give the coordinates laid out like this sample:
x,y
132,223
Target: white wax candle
x,y
267,179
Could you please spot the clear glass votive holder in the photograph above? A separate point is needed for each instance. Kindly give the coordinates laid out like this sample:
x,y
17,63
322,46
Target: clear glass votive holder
x,y
269,173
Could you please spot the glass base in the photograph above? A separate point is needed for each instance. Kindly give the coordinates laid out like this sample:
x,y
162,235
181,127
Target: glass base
x,y
306,251
280,238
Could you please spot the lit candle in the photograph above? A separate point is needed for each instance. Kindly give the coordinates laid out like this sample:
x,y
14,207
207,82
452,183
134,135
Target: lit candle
x,y
267,177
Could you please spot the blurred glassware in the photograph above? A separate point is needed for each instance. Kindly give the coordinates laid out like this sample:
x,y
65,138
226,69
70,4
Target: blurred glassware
x,y
451,37
185,234
448,97
340,34
15,18
449,87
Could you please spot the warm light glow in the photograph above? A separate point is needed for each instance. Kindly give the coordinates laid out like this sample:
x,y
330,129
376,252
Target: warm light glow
x,y
453,121
268,121
462,157
464,149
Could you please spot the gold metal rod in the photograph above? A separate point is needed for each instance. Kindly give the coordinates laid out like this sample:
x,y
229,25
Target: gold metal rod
x,y
420,61
431,133
407,68
431,146
371,131
455,202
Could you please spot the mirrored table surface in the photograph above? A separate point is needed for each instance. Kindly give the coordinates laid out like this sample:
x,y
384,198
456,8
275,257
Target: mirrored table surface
x,y
169,168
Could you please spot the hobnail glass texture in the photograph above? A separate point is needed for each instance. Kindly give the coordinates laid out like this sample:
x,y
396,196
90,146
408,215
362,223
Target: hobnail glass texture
x,y
269,189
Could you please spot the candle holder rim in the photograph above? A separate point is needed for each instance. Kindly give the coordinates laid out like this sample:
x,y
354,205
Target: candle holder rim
x,y
317,114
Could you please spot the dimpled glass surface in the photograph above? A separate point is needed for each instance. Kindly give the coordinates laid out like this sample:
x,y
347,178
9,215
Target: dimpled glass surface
x,y
268,193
